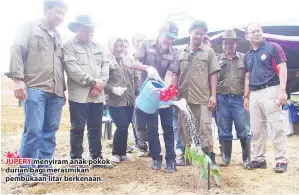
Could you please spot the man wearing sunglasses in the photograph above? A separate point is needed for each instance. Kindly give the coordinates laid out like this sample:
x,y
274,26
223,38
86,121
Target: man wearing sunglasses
x,y
230,90
87,69
161,57
197,83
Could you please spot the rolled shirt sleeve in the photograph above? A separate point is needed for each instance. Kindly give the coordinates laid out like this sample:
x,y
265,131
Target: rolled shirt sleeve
x,y
213,63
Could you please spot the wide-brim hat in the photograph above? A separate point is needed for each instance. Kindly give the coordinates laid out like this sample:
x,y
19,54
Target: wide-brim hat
x,y
85,20
230,34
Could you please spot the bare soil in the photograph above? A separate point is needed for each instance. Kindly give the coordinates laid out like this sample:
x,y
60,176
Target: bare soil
x,y
136,177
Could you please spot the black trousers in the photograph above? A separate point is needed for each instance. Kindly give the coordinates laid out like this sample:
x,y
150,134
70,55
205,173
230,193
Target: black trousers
x,y
82,114
122,117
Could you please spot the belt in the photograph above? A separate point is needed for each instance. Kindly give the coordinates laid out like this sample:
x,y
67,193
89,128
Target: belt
x,y
259,87
232,95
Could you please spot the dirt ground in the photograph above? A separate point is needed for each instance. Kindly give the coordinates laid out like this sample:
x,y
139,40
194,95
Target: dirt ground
x,y
136,177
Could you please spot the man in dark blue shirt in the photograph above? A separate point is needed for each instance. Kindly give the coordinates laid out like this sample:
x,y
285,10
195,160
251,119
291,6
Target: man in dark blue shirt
x,y
265,93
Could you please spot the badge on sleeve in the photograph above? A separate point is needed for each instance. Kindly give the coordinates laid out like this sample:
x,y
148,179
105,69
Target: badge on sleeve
x,y
263,57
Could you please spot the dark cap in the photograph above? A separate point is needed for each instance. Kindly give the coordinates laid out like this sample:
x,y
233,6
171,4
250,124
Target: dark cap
x,y
171,29
199,24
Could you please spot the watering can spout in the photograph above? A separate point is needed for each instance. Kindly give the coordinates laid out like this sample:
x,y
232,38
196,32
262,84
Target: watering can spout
x,y
181,104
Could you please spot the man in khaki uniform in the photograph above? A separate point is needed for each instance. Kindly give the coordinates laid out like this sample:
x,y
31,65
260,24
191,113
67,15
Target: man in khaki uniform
x,y
87,69
37,71
230,92
197,83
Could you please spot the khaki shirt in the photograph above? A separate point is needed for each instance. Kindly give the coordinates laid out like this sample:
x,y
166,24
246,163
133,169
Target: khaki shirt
x,y
231,78
36,57
84,64
121,75
194,72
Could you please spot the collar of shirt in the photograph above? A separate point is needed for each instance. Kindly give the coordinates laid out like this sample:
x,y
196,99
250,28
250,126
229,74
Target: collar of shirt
x,y
115,60
41,24
55,34
262,45
237,56
77,40
189,49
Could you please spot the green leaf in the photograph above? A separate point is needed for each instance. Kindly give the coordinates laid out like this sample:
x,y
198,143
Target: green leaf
x,y
202,159
196,160
187,154
214,171
193,155
217,179
207,159
203,174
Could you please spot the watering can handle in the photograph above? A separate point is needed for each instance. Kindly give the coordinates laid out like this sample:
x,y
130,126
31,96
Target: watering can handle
x,y
147,79
163,83
144,83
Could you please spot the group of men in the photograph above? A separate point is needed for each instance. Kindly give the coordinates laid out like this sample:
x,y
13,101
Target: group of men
x,y
247,90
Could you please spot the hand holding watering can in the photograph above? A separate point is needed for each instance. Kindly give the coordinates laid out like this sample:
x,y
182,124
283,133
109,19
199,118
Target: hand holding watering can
x,y
152,73
155,94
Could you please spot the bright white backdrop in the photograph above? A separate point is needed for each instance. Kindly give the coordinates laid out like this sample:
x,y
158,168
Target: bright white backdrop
x,y
125,18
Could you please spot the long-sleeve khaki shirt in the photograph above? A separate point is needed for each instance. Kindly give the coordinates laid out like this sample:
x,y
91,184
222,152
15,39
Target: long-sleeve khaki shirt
x,y
231,78
121,75
84,64
36,57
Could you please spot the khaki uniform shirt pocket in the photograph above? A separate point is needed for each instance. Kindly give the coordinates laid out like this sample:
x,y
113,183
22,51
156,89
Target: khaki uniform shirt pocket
x,y
98,56
183,62
150,57
115,75
240,70
39,41
201,62
224,70
165,61
82,57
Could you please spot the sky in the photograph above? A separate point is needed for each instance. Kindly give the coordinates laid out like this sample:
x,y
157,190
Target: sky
x,y
124,18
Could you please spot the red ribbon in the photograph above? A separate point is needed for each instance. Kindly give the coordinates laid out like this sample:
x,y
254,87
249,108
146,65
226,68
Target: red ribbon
x,y
168,94
12,155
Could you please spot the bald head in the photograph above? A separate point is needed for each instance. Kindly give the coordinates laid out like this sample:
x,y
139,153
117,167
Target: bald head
x,y
254,33
251,24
